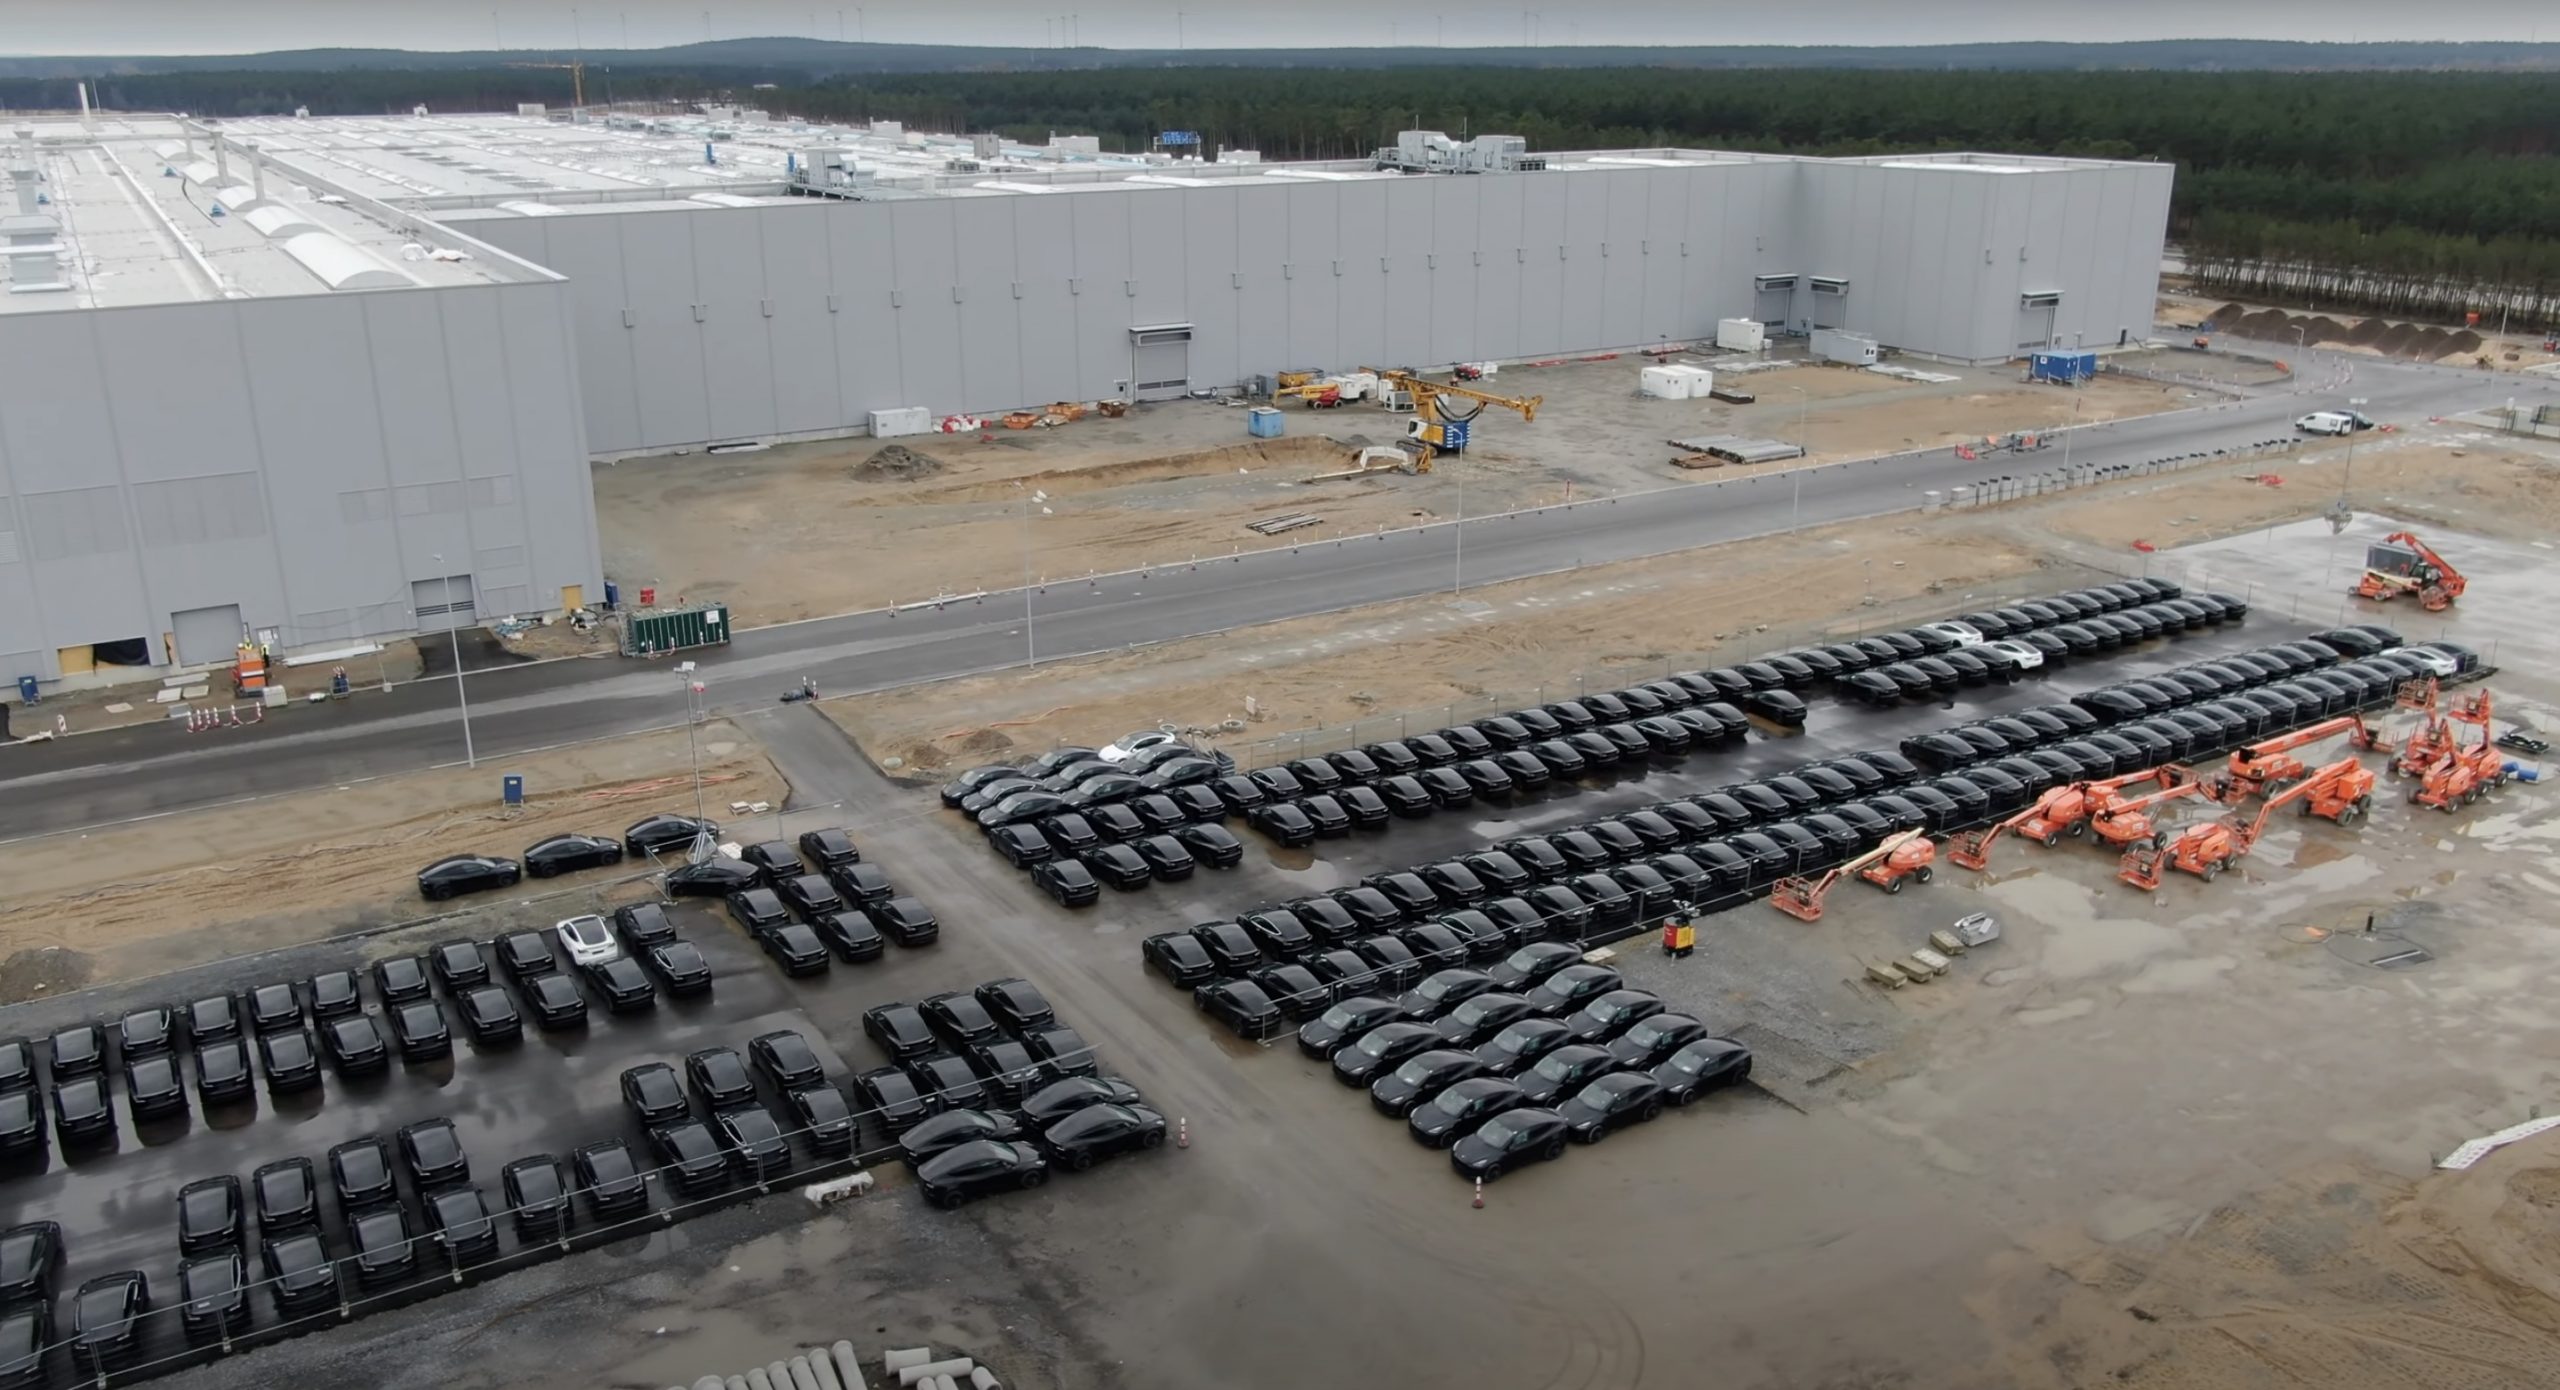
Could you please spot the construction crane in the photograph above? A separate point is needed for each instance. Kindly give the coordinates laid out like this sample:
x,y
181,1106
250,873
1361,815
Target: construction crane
x,y
2465,772
577,79
2400,563
2342,792
2129,822
2063,810
1438,430
1902,856
2270,762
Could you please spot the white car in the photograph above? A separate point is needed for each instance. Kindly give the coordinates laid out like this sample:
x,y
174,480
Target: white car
x,y
1962,634
2017,654
587,940
1131,745
2334,422
2438,663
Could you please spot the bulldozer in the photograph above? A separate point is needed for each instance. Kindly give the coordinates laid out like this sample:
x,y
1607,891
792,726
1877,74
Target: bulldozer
x,y
2340,792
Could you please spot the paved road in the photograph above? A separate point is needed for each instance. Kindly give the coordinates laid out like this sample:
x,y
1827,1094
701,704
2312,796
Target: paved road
x,y
115,775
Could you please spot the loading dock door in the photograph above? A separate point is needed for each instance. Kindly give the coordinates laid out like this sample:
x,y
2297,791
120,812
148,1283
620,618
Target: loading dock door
x,y
441,603
1160,361
207,636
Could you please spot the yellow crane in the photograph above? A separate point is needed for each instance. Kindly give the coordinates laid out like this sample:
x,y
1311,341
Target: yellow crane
x,y
577,79
1431,421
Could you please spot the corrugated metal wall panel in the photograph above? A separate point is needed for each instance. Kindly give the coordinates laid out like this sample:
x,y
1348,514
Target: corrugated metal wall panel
x,y
861,264
1044,256
657,266
737,348
1315,228
990,318
1211,298
1498,267
1456,232
1405,298
1360,286
925,264
1101,290
808,378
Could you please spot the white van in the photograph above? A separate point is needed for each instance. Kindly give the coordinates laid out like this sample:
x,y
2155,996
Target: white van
x,y
2333,422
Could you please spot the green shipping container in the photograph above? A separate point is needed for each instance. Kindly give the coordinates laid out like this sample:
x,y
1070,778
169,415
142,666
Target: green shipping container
x,y
650,633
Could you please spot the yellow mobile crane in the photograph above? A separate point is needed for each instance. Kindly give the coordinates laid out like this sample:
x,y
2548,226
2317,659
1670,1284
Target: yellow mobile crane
x,y
1431,425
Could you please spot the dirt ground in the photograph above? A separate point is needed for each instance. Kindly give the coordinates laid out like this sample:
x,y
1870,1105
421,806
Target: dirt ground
x,y
2513,351
812,529
225,881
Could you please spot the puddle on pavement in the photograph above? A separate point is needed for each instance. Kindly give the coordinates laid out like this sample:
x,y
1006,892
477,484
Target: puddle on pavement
x,y
2078,939
2312,852
2180,976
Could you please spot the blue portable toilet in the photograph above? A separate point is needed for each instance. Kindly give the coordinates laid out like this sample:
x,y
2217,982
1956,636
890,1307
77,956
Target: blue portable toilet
x,y
511,789
1264,422
26,690
612,597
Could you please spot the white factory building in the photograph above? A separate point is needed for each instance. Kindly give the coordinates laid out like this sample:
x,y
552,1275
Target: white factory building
x,y
313,381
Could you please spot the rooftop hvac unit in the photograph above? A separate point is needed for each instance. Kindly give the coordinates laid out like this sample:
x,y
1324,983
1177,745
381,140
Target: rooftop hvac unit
x,y
1432,152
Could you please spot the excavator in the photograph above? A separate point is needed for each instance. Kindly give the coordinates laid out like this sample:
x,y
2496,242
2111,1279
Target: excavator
x,y
1904,856
2128,822
2269,763
2063,810
2400,563
2341,791
1433,426
2465,772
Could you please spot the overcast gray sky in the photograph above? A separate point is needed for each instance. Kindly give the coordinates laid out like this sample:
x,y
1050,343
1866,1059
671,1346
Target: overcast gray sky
x,y
239,26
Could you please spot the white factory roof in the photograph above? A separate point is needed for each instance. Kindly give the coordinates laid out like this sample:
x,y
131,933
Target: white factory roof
x,y
136,225
362,203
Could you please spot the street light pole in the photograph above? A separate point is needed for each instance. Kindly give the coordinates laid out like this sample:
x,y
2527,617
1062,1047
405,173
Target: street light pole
x,y
692,716
1804,441
1458,537
470,758
1030,634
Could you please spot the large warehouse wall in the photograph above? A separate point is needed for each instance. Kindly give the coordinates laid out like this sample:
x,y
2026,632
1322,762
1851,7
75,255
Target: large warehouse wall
x,y
799,317
303,458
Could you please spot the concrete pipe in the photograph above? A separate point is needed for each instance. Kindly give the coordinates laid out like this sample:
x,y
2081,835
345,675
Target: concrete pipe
x,y
736,1383
956,1366
822,1368
803,1376
848,1366
892,1362
779,1372
758,1380
708,1383
983,1379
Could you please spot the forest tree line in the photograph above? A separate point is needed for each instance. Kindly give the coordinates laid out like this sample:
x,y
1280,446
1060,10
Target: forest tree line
x,y
2418,193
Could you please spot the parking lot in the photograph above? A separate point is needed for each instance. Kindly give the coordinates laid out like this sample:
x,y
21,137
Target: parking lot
x,y
1777,1208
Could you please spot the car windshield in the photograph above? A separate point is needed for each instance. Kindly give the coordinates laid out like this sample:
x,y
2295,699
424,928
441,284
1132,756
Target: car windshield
x,y
1338,1017
1376,1044
1498,1134
1438,986
1512,1039
1689,1060
1417,1071
1555,1067
1474,1009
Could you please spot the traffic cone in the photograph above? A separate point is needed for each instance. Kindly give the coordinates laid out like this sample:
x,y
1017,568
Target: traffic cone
x,y
1479,1194
1182,1133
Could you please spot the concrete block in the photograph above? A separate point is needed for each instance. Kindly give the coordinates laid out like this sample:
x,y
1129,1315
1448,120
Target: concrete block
x,y
893,1362
827,1194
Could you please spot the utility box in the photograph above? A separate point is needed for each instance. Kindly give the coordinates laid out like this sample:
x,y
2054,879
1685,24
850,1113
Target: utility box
x,y
1844,347
2063,367
1264,422
905,420
1742,335
648,634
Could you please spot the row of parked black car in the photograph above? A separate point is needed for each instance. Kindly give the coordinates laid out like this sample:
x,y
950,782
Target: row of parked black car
x,y
659,833
1502,1066
1927,662
734,1133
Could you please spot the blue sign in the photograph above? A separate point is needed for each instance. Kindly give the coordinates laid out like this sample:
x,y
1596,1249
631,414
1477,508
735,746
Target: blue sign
x,y
1179,137
1453,435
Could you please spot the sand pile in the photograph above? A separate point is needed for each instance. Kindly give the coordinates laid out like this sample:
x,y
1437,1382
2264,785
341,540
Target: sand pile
x,y
897,463
2417,342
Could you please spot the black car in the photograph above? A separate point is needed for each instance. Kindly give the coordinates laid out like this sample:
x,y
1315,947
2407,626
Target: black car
x,y
106,1316
1010,1069
222,1068
1701,1066
1420,1077
1563,1071
1238,793
142,1033
692,1156
893,1098
1441,991
26,1336
1165,857
489,1014
900,1030
287,1194
1179,957
719,1077
654,1094
1022,846
758,909
459,965
1326,813
1067,1095
1068,881
360,1172
154,1085
522,955
537,1191
949,1082
1611,1102
823,1119
354,1045
1210,844
458,1218
665,832
1520,1044
1484,777
809,894
401,979
432,1152
1603,1016
775,859
717,877
17,1065
466,873
1480,1016
931,1138
643,925
555,1002
419,1028
1380,1050
562,854
754,1142
1097,1132
1344,1022
1460,1108
785,1059
1525,968
681,969
1241,1006
1285,822
793,946
828,848
1509,1140
30,1260
971,1170
299,1272
384,1250
610,1178
975,780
